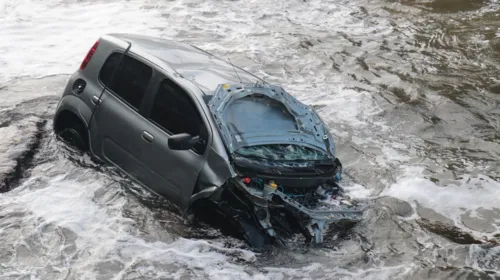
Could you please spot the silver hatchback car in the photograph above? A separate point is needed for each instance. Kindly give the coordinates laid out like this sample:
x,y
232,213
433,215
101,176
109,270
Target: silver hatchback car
x,y
207,135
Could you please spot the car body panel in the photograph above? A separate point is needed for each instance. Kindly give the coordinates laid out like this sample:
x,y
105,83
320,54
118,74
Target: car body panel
x,y
118,138
197,66
74,104
181,167
215,172
275,117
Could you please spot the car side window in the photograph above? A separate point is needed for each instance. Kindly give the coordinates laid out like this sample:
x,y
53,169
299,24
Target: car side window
x,y
131,78
176,113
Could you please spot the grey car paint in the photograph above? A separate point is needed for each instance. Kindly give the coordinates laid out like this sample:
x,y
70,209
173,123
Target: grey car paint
x,y
117,131
197,66
240,108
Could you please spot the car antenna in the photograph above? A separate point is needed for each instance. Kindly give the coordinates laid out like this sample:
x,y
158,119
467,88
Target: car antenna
x,y
105,86
235,70
256,82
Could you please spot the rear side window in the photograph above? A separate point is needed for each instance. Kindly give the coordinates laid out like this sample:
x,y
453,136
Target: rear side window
x,y
130,80
176,113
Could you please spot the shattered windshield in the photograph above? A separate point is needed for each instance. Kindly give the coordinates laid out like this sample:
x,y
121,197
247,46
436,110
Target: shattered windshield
x,y
281,152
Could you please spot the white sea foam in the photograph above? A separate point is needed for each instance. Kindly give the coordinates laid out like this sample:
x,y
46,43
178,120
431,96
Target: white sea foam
x,y
103,233
358,191
466,196
40,38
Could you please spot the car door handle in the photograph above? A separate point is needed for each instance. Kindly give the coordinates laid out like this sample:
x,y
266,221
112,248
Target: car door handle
x,y
146,136
96,101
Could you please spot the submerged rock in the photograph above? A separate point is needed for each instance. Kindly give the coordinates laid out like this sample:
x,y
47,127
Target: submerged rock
x,y
432,216
495,88
449,232
399,207
26,107
481,220
17,147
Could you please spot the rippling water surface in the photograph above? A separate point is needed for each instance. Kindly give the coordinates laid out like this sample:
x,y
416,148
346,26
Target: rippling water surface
x,y
410,89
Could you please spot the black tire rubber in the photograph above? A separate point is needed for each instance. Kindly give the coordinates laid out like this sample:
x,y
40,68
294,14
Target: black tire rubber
x,y
74,134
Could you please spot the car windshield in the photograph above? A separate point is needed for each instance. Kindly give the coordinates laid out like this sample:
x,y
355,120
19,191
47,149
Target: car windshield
x,y
281,152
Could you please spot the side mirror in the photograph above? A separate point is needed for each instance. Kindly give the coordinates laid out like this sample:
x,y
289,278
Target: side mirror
x,y
182,141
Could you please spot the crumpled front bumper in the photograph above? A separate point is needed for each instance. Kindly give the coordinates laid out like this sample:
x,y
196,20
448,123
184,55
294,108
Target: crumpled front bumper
x,y
319,219
313,221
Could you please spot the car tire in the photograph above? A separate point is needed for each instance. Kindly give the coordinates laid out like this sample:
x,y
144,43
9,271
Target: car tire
x,y
74,135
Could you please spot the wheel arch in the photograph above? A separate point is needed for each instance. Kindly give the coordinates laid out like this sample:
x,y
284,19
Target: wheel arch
x,y
66,117
72,109
74,105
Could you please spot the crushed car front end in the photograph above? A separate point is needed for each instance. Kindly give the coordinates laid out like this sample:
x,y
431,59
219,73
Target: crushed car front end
x,y
285,173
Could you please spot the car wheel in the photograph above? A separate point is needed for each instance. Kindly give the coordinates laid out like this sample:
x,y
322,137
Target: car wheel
x,y
74,135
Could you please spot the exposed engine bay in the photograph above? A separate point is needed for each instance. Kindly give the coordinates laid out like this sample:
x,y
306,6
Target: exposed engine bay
x,y
306,211
284,212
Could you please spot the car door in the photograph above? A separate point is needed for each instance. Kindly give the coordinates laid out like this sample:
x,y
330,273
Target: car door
x,y
174,111
118,130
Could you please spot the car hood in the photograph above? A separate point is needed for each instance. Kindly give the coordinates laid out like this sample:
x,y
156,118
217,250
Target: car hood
x,y
261,114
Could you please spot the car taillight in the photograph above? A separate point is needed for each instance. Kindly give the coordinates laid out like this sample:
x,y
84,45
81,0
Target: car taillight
x,y
89,55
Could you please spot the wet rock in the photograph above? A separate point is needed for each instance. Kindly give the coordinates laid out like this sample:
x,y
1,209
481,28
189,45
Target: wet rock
x,y
306,44
448,231
18,145
495,88
400,94
482,221
361,61
432,216
348,38
449,6
108,268
450,272
399,207
26,106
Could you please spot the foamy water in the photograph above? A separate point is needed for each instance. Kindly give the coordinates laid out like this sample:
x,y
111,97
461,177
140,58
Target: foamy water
x,y
42,38
78,223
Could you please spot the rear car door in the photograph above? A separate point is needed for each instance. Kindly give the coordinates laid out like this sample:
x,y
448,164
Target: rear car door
x,y
173,111
118,130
